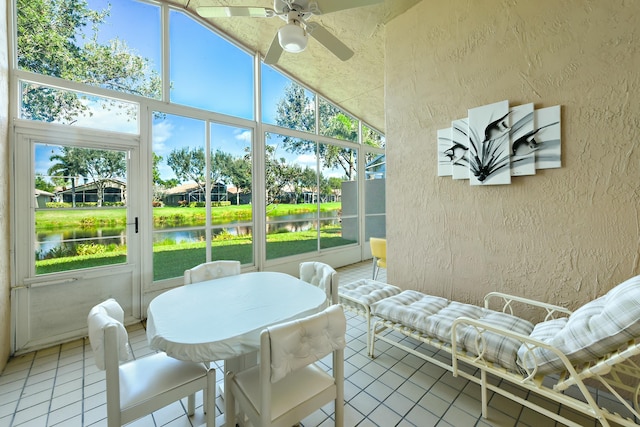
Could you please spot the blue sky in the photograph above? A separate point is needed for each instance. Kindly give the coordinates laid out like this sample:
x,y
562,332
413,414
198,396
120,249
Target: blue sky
x,y
207,72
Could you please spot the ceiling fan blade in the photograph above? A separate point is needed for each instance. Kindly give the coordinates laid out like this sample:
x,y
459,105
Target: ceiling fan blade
x,y
329,6
274,52
329,41
226,12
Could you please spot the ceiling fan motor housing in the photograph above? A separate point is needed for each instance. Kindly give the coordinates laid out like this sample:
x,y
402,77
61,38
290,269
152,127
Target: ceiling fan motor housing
x,y
282,7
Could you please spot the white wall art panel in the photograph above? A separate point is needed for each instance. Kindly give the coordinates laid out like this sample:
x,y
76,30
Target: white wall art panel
x,y
459,151
444,145
489,159
523,156
547,137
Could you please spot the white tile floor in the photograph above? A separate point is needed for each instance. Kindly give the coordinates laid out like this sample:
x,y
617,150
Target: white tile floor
x,y
60,386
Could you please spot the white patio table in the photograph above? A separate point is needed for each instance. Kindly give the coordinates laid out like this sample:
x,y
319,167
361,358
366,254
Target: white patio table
x,y
222,318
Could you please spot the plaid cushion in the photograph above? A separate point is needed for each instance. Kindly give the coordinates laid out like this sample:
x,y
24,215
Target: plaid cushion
x,y
595,329
499,349
368,291
410,308
434,316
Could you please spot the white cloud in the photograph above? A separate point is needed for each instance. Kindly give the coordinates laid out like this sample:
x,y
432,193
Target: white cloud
x,y
244,135
108,118
306,159
162,132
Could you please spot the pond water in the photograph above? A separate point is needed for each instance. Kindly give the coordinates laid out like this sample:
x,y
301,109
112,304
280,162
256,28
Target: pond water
x,y
56,243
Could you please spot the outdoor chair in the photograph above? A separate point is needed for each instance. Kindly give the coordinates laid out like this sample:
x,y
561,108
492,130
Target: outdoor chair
x,y
287,385
379,252
211,270
141,386
321,275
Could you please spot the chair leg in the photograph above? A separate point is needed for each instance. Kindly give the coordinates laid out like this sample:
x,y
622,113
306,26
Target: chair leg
x,y
375,268
209,403
339,413
229,401
191,404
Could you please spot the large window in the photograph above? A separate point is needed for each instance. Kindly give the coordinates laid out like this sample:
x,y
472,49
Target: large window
x,y
208,185
336,123
231,193
338,196
286,103
49,104
292,189
179,216
207,71
114,46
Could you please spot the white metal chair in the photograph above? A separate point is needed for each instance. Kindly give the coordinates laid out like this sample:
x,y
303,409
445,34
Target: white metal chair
x,y
321,275
211,270
379,252
139,387
287,386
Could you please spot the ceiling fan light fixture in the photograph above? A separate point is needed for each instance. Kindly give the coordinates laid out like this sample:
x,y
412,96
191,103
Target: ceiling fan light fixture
x,y
293,38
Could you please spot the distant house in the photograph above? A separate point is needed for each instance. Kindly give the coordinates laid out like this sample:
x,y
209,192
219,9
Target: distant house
x,y
237,197
192,192
114,190
43,197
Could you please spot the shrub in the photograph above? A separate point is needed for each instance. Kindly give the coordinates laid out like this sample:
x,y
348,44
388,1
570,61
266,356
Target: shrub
x,y
223,235
58,205
90,249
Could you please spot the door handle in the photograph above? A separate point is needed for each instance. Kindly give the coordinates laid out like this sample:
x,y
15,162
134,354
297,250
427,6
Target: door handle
x,y
134,223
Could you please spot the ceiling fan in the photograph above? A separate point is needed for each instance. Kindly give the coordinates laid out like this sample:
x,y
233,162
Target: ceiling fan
x,y
294,35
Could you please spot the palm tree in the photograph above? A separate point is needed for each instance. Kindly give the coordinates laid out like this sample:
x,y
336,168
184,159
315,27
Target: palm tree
x,y
68,168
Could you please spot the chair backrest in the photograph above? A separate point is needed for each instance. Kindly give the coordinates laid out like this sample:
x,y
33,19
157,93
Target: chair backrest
x,y
290,346
110,344
378,247
212,270
107,318
321,275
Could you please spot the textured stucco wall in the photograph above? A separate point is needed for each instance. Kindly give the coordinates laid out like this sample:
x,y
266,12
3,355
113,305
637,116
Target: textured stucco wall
x,y
4,192
564,235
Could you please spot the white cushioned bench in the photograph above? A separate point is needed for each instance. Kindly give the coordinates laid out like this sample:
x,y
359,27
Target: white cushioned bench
x,y
434,317
594,342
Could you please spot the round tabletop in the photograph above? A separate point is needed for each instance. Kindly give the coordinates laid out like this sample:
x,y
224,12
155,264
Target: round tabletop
x,y
222,318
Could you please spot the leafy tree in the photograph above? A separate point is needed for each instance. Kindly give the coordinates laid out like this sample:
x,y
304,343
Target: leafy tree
x,y
157,179
238,170
103,165
220,162
99,165
292,112
53,40
68,167
276,175
42,184
189,164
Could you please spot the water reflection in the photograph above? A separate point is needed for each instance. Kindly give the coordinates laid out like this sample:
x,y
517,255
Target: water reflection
x,y
49,243
59,243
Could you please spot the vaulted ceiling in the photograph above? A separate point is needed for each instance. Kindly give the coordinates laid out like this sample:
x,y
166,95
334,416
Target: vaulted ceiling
x,y
357,85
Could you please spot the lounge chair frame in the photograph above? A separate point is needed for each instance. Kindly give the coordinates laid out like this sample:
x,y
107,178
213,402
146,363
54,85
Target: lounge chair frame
x,y
614,371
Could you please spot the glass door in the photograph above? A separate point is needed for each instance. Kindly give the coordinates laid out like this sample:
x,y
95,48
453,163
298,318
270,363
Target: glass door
x,y
77,232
